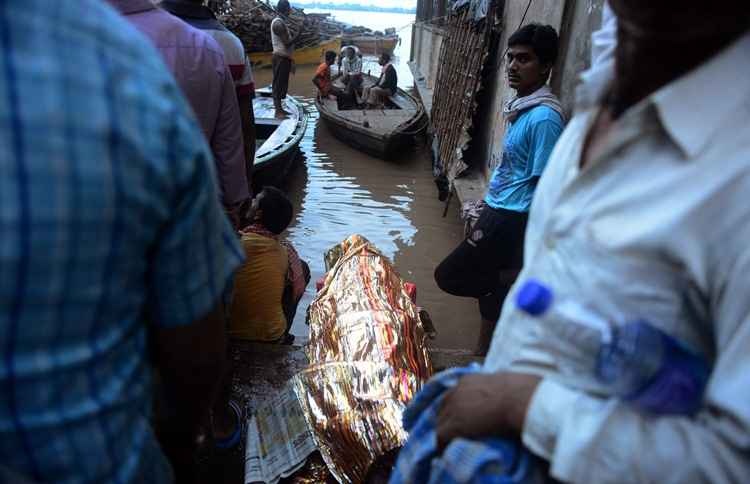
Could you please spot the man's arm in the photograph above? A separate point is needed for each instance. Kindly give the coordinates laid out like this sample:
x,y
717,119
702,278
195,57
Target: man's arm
x,y
228,147
191,262
590,439
280,29
316,81
247,116
189,360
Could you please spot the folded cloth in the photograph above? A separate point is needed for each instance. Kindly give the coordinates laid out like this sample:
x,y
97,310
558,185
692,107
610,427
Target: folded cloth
x,y
541,97
470,212
463,461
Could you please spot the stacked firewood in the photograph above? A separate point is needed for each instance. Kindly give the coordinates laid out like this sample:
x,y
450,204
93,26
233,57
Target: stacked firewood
x,y
251,21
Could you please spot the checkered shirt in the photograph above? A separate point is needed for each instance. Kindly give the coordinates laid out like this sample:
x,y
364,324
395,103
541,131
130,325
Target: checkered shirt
x,y
109,223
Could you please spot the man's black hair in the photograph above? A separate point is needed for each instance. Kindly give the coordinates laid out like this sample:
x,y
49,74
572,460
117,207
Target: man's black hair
x,y
542,39
283,6
330,55
386,56
276,210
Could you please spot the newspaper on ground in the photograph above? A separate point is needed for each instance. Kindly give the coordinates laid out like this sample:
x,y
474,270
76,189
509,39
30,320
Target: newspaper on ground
x,y
279,439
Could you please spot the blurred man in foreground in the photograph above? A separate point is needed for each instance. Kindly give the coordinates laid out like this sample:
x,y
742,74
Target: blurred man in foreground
x,y
642,212
115,248
202,18
197,62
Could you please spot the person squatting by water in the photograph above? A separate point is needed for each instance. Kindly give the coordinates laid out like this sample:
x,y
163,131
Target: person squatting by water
x,y
269,286
486,263
641,212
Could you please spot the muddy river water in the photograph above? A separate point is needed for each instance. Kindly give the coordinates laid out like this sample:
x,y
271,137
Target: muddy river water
x,y
338,191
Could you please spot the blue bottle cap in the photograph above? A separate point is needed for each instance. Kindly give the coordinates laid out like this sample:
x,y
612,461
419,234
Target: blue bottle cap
x,y
534,298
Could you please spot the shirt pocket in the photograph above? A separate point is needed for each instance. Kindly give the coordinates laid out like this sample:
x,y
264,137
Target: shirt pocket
x,y
641,279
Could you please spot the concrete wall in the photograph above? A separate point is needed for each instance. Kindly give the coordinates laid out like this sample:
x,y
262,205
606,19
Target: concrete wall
x,y
575,20
580,19
426,43
545,12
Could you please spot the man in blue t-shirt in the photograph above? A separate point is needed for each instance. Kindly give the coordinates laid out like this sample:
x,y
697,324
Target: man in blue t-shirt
x,y
486,264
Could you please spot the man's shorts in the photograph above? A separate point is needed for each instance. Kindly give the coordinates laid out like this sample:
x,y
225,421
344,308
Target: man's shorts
x,y
487,262
282,68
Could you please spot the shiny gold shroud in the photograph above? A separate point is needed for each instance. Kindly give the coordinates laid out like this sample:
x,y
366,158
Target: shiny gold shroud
x,y
368,359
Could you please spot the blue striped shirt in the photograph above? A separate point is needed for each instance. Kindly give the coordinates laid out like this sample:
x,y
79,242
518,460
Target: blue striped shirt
x,y
109,222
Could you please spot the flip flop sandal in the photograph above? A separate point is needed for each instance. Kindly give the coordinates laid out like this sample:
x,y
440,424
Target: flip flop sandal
x,y
232,441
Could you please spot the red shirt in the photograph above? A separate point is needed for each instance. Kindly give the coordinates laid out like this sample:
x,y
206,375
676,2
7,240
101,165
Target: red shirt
x,y
324,78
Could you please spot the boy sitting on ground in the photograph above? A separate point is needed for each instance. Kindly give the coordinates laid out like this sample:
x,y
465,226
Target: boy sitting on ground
x,y
270,284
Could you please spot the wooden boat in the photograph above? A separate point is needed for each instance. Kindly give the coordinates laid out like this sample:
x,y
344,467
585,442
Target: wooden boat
x,y
374,45
277,139
303,56
379,132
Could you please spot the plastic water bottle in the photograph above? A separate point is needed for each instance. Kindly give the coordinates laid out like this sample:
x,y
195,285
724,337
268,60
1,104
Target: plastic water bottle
x,y
637,361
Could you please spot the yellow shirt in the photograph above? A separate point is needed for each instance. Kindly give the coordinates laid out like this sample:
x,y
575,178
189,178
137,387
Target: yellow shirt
x,y
257,313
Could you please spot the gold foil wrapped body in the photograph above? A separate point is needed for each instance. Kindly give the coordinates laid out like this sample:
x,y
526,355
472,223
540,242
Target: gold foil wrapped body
x,y
368,359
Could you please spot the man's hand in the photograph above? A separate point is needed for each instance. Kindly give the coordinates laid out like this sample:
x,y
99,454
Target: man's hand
x,y
486,405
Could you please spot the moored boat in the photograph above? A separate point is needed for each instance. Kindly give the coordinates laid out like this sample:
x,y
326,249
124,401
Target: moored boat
x,y
277,139
372,44
379,132
303,56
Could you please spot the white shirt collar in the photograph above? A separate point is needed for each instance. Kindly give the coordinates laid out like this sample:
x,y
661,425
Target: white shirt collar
x,y
691,107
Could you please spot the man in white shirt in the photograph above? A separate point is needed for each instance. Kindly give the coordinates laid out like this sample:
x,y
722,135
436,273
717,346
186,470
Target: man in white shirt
x,y
350,72
642,212
283,50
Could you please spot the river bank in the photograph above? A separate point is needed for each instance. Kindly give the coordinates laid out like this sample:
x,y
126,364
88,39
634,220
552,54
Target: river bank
x,y
338,191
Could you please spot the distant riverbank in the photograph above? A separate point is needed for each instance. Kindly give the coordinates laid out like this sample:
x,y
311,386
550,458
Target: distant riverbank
x,y
353,7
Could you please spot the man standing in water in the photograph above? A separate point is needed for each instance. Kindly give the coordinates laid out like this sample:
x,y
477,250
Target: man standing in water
x,y
642,212
486,264
283,49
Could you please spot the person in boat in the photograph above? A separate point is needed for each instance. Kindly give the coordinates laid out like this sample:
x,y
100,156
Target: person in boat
x,y
201,17
269,286
386,86
322,79
116,253
350,70
642,212
197,62
283,52
486,263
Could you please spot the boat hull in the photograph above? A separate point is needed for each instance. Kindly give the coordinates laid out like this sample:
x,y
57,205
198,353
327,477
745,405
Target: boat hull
x,y
304,56
279,147
370,131
373,45
379,147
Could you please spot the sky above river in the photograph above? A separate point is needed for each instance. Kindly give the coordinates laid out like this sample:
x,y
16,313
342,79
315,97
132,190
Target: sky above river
x,y
378,3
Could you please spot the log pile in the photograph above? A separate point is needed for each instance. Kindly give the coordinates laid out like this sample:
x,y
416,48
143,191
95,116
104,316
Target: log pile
x,y
251,21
